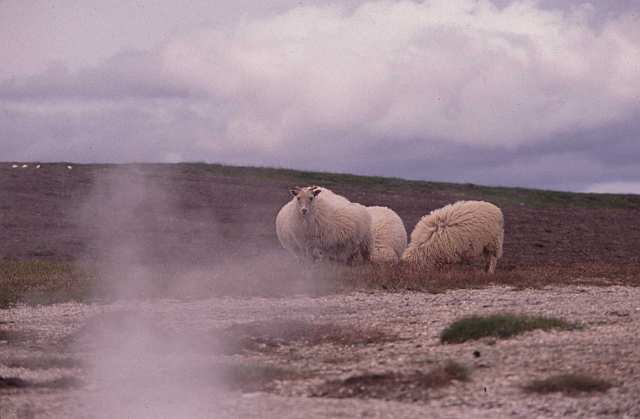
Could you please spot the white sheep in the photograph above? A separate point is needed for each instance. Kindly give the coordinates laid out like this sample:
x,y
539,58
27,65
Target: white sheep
x,y
458,232
319,224
389,237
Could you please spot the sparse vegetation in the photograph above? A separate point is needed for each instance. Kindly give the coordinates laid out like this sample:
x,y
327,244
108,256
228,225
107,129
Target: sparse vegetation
x,y
570,384
264,336
39,282
498,194
546,246
409,386
13,336
500,326
42,282
253,377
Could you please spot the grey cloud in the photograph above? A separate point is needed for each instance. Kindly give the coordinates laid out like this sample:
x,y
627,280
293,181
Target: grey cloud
x,y
458,91
130,74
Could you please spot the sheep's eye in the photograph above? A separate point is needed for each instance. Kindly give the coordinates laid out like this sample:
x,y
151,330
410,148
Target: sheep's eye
x,y
298,198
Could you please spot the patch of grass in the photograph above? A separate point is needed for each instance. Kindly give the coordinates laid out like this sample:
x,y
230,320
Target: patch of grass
x,y
41,282
262,336
411,386
500,326
569,384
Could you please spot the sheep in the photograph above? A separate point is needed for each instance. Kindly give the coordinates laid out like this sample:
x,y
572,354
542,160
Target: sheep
x,y
319,224
458,232
389,237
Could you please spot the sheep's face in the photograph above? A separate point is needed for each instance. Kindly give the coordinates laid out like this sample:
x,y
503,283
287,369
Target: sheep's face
x,y
305,198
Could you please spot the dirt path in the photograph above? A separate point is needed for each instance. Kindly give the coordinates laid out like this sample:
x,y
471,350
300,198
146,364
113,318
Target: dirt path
x,y
164,359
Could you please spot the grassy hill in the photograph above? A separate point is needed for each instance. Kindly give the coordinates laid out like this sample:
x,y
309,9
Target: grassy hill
x,y
198,216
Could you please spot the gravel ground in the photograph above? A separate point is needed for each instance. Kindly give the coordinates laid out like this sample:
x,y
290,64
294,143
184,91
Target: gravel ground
x,y
156,359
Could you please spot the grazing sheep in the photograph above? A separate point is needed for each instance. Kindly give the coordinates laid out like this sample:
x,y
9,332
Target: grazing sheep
x,y
389,237
458,232
319,224
69,167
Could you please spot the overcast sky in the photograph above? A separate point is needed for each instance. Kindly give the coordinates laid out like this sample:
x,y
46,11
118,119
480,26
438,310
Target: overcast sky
x,y
541,94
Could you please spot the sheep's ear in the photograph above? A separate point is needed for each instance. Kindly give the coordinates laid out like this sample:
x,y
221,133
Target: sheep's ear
x,y
294,191
316,191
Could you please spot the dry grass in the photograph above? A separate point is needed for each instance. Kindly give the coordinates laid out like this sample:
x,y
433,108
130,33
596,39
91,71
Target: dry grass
x,y
38,282
569,384
13,336
500,326
406,277
411,386
263,336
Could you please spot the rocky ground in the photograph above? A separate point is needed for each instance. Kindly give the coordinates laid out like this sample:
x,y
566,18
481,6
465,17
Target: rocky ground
x,y
169,358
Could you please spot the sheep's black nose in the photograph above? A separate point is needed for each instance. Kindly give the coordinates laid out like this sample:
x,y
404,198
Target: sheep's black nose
x,y
304,211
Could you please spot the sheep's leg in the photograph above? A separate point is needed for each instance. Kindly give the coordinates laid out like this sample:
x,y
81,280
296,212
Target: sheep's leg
x,y
365,253
491,262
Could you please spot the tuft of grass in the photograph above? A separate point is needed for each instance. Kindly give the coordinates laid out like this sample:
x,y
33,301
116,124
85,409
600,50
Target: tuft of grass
x,y
42,282
264,336
500,326
569,384
411,386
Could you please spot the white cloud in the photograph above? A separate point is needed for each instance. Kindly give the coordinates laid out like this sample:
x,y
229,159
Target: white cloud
x,y
463,71
455,89
615,187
